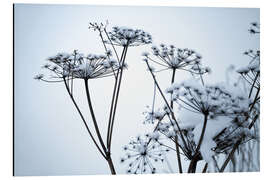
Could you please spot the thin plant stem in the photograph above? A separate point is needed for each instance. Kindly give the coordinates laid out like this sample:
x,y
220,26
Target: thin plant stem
x,y
240,139
257,75
112,103
82,117
93,115
167,104
230,155
205,168
110,162
108,154
193,163
176,138
117,95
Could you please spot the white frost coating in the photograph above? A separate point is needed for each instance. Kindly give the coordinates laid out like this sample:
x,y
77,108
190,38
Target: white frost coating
x,y
212,129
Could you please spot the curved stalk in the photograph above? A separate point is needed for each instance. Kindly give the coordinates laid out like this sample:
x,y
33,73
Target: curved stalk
x,y
93,115
85,124
195,159
167,104
108,155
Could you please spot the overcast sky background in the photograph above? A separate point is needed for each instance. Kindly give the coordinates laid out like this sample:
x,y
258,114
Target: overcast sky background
x,y
50,138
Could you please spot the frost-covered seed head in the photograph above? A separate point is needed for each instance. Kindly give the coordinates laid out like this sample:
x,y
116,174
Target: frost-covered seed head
x,y
76,65
143,152
123,36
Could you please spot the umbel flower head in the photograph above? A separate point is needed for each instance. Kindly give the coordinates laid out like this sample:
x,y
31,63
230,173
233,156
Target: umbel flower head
x,y
251,72
142,153
171,57
76,65
123,36
213,100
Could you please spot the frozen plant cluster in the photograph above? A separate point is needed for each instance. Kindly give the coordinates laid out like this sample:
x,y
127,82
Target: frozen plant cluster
x,y
68,67
225,114
222,118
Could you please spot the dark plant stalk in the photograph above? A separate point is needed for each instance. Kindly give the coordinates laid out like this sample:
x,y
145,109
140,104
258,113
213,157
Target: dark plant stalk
x,y
230,155
205,168
240,139
167,104
176,138
112,103
256,77
108,155
110,162
172,81
85,124
193,163
195,159
117,95
255,99
178,155
93,115
202,133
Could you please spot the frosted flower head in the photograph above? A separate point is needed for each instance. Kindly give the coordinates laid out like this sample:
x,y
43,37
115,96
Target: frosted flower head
x,y
123,36
171,57
98,26
216,100
251,72
77,65
142,153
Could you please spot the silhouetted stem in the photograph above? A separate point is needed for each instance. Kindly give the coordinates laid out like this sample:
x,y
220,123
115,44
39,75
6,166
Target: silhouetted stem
x,y
167,104
240,139
93,115
256,77
112,102
230,155
205,168
195,159
178,155
117,95
110,162
176,138
85,124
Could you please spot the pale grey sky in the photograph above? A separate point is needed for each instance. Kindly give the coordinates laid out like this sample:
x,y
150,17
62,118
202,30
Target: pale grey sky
x,y
50,138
